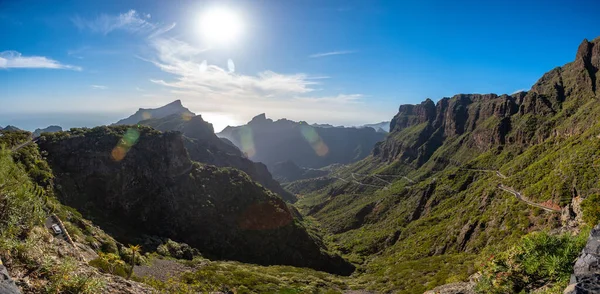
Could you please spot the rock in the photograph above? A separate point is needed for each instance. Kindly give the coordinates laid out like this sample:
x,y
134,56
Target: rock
x,y
7,285
586,271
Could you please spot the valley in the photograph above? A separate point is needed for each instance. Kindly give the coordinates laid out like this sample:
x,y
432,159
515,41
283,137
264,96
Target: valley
x,y
480,193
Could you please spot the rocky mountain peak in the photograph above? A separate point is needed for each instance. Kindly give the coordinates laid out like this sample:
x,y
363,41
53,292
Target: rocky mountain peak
x,y
261,118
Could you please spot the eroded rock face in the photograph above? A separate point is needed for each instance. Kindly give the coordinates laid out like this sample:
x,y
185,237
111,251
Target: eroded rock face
x,y
486,121
418,130
586,272
155,189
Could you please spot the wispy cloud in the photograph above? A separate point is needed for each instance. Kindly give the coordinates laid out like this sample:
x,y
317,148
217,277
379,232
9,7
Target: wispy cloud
x,y
14,59
139,89
518,91
99,87
342,52
215,89
130,21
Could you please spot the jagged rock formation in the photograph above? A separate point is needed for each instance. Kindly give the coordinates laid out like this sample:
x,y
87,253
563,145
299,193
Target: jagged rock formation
x,y
270,142
418,131
288,171
586,272
204,146
174,107
7,285
49,129
140,181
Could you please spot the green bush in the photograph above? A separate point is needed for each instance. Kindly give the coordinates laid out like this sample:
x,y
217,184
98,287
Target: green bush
x,y
539,259
110,263
177,250
591,209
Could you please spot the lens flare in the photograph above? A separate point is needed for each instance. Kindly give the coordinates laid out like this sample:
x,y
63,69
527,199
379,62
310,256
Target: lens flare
x,y
314,140
186,116
125,143
247,141
146,115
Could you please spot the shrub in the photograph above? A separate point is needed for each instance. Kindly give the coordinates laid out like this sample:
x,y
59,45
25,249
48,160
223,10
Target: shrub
x,y
590,207
110,263
177,250
539,259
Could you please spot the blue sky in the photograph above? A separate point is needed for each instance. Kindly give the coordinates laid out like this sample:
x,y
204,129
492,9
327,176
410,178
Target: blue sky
x,y
83,63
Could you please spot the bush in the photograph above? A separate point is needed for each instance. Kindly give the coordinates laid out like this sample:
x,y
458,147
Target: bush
x,y
110,263
590,207
539,259
177,250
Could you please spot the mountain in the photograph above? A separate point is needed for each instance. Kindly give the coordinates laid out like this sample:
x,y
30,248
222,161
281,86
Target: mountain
x,y
10,128
134,182
270,142
383,126
49,129
174,107
471,178
204,146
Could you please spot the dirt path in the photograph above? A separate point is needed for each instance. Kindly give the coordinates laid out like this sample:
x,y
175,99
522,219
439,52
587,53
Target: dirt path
x,y
161,269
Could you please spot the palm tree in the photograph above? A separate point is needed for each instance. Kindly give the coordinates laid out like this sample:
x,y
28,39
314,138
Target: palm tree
x,y
134,249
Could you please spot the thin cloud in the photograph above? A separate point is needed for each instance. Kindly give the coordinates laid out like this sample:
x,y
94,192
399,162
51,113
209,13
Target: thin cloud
x,y
14,59
99,87
130,21
317,55
518,91
215,89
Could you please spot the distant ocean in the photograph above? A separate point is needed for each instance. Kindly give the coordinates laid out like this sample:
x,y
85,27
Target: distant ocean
x,y
32,121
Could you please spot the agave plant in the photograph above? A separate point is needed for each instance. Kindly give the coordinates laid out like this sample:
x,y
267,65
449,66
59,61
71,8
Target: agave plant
x,y
134,249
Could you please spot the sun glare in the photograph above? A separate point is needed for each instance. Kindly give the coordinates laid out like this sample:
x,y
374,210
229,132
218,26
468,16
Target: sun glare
x,y
220,26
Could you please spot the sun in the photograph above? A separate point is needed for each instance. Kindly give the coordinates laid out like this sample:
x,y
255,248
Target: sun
x,y
220,25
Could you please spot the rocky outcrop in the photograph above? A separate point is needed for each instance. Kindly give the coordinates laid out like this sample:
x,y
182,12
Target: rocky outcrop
x,y
204,146
271,142
481,122
7,285
417,131
138,181
586,272
174,107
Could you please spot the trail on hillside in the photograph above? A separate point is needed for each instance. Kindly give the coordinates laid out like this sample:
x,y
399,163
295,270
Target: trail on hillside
x,y
517,194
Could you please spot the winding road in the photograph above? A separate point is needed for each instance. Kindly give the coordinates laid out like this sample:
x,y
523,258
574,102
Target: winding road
x,y
520,197
515,192
16,148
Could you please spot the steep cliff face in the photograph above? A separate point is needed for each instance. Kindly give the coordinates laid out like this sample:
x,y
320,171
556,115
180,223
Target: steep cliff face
x,y
487,121
419,130
204,146
140,181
